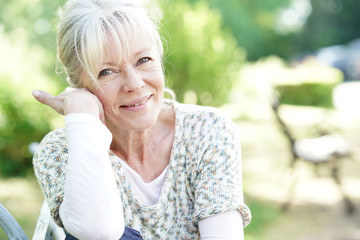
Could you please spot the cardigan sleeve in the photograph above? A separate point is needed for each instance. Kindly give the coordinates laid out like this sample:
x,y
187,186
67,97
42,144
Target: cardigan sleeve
x,y
218,180
49,164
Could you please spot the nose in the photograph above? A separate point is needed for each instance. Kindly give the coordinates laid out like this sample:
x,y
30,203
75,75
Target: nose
x,y
133,80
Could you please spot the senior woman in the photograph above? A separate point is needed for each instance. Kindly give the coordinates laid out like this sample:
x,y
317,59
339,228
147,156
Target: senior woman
x,y
130,164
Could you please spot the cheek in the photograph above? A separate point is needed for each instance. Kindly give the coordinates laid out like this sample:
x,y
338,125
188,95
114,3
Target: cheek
x,y
154,78
104,95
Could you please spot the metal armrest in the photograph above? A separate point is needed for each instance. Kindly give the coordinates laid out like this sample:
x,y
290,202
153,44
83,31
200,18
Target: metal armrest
x,y
10,226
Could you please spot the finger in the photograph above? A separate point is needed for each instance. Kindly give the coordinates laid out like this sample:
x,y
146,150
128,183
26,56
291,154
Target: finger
x,y
41,96
101,108
102,115
71,89
102,119
48,99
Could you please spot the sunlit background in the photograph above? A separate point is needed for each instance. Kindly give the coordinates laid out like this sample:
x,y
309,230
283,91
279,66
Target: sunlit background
x,y
235,55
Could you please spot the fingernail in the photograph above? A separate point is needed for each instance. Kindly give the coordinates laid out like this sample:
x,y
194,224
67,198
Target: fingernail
x,y
35,93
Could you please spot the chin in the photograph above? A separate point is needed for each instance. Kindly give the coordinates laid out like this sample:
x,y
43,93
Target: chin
x,y
140,123
135,120
142,126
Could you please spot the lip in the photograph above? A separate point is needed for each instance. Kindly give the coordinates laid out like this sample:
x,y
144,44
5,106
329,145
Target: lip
x,y
137,104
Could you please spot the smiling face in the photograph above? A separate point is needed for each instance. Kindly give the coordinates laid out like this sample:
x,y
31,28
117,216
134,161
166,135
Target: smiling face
x,y
130,85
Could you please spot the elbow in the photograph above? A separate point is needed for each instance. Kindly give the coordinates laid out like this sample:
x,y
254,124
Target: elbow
x,y
101,227
92,223
101,234
111,231
98,231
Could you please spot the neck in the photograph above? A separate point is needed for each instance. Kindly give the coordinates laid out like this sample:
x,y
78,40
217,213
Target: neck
x,y
131,145
147,151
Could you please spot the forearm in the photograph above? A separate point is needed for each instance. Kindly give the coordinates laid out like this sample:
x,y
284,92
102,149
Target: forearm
x,y
91,208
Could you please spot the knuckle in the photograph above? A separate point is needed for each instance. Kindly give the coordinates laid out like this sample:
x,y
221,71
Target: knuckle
x,y
41,98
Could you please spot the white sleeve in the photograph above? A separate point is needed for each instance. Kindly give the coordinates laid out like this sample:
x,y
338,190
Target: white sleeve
x,y
91,207
224,226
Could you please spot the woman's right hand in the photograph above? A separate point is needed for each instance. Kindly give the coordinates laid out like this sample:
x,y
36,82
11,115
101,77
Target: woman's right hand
x,y
72,100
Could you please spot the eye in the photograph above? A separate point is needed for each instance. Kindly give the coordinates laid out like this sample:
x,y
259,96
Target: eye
x,y
105,72
143,60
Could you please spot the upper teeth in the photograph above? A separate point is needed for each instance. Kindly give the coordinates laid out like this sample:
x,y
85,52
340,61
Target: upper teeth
x,y
137,104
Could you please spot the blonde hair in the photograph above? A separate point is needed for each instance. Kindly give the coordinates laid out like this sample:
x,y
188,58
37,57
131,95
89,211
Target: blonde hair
x,y
87,26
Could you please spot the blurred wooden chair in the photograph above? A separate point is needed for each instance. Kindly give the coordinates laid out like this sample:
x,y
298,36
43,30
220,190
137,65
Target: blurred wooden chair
x,y
328,150
45,229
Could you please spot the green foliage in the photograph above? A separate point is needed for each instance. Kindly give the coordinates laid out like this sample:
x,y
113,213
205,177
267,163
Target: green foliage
x,y
252,23
201,56
263,214
35,22
22,122
331,22
309,94
28,61
308,85
22,119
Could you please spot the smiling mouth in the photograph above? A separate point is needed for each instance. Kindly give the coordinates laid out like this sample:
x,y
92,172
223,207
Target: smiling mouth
x,y
138,104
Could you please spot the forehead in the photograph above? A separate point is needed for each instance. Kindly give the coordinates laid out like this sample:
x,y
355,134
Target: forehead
x,y
129,47
119,48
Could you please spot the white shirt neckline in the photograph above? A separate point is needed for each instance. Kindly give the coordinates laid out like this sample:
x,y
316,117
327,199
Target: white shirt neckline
x,y
148,193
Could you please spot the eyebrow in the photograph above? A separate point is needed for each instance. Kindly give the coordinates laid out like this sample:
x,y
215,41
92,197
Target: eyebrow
x,y
142,51
114,63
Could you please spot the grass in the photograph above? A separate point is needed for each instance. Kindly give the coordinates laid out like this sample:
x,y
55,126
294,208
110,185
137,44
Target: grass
x,y
22,198
263,213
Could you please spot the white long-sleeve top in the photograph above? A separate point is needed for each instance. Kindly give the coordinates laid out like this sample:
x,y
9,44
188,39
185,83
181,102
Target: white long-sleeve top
x,y
91,207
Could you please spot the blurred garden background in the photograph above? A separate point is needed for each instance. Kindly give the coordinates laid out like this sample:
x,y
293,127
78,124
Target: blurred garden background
x,y
229,54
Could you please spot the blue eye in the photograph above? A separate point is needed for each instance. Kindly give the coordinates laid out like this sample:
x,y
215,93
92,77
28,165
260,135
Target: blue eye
x,y
143,60
104,72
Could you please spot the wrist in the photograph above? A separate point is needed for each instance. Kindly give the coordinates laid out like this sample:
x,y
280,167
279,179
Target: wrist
x,y
87,107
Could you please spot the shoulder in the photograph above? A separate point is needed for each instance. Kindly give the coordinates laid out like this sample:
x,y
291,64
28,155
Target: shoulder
x,y
205,134
56,137
196,110
53,144
203,118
